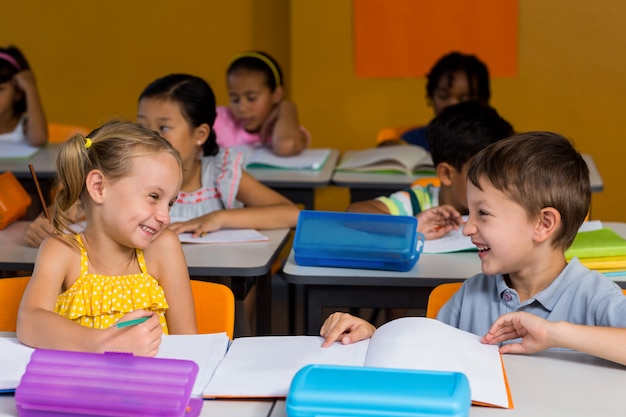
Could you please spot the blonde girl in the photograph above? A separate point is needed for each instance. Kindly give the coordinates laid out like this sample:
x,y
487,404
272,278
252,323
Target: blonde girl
x,y
125,264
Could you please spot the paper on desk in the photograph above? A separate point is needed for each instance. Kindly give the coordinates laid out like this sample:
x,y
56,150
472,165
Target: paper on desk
x,y
221,236
225,236
17,150
14,357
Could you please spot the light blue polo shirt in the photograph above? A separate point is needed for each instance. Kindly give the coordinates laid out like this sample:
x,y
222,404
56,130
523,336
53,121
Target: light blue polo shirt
x,y
577,295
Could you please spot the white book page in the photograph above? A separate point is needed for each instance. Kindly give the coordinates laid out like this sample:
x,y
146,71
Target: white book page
x,y
206,350
264,366
428,344
14,356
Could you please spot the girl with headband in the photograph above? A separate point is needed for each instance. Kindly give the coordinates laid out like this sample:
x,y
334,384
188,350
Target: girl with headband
x,y
258,114
21,112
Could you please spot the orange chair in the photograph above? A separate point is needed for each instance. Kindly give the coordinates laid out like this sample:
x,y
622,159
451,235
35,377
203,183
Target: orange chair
x,y
391,133
58,132
11,290
439,296
426,181
215,307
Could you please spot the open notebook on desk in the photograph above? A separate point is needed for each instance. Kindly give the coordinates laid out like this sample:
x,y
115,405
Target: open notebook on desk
x,y
17,150
263,367
308,159
404,159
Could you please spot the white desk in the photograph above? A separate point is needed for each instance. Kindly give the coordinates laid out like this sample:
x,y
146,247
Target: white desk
x,y
367,185
547,384
248,263
298,185
346,287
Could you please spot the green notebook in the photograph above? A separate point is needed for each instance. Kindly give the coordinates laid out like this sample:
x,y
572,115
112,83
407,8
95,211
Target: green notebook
x,y
597,243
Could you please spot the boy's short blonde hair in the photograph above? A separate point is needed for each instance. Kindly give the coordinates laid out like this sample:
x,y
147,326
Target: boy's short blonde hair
x,y
538,170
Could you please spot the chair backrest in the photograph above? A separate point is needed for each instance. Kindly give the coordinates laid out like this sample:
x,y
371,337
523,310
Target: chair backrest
x,y
215,307
439,296
426,181
391,133
11,290
58,132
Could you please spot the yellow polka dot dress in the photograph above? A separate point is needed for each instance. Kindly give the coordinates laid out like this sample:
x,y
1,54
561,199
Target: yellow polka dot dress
x,y
99,301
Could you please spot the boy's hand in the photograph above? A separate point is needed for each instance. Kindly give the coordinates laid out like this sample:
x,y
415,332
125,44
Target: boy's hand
x,y
533,330
436,222
345,328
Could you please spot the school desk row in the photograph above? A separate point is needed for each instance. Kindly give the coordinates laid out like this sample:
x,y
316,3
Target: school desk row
x,y
250,263
296,184
556,383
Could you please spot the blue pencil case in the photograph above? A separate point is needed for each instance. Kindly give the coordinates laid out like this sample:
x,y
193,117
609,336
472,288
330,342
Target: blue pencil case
x,y
62,383
357,240
348,391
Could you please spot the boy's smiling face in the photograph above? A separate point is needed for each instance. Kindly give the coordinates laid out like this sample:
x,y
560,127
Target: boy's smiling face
x,y
500,229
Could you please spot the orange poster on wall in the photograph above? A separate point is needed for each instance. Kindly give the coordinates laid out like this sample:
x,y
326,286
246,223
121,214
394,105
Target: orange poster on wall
x,y
404,38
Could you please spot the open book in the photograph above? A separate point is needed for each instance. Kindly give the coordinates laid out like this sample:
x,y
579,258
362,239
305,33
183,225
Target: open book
x,y
263,367
312,159
405,159
17,150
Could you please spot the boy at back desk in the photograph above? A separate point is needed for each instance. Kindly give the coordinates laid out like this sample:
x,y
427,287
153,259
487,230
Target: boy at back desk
x,y
455,136
527,196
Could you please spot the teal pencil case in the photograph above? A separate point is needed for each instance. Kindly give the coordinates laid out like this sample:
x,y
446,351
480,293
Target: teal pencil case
x,y
348,391
357,240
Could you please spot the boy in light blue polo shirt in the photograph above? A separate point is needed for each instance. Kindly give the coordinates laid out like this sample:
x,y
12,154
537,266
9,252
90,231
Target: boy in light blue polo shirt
x,y
527,196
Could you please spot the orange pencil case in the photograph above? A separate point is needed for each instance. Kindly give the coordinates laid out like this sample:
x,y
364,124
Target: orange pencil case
x,y
14,200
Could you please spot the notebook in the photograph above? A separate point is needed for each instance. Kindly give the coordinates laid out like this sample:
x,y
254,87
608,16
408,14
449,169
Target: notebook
x,y
308,159
17,150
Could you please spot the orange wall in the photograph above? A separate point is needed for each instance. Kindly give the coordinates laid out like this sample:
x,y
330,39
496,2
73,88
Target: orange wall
x,y
92,59
570,80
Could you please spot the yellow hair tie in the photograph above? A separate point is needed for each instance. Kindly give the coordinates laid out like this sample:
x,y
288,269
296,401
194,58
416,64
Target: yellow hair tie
x,y
262,58
87,143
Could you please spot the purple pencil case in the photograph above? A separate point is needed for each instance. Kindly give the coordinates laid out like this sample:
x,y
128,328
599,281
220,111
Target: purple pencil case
x,y
62,383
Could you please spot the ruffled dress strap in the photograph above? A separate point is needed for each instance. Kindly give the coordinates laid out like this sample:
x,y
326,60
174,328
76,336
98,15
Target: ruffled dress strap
x,y
99,301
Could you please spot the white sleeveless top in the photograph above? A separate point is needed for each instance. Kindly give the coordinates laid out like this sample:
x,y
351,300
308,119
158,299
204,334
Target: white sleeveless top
x,y
17,135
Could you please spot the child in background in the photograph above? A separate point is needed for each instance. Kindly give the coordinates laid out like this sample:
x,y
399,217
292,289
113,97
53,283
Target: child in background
x,y
454,78
258,113
455,135
216,192
538,334
126,264
21,113
527,197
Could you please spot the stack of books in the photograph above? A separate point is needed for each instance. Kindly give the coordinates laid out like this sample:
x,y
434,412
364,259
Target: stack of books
x,y
602,250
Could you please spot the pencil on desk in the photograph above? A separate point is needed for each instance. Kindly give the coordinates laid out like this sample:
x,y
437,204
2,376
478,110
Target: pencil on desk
x,y
43,201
